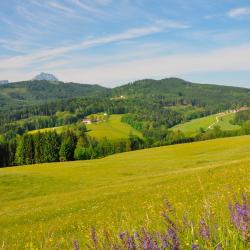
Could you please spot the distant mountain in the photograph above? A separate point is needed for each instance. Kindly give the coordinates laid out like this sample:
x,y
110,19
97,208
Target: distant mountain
x,y
46,77
4,82
41,91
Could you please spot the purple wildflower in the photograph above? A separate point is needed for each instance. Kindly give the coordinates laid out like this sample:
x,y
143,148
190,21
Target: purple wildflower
x,y
76,245
128,241
240,217
169,206
219,247
163,239
174,238
147,242
171,229
94,238
195,247
204,230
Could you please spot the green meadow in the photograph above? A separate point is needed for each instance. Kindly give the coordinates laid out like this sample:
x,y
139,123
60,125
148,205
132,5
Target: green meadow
x,y
192,127
113,129
46,206
44,130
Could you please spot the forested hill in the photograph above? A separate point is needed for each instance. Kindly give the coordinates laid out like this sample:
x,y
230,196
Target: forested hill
x,y
169,90
36,92
173,89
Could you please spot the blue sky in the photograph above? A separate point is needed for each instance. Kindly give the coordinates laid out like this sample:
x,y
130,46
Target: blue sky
x,y
111,42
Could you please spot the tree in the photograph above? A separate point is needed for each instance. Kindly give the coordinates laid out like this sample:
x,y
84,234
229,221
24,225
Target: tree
x,y
19,156
28,145
25,150
38,148
51,147
11,152
68,146
3,154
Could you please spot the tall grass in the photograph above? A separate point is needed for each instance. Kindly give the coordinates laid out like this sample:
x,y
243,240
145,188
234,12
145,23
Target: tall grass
x,y
209,233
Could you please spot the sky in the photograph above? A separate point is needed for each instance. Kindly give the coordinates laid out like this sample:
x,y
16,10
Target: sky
x,y
112,42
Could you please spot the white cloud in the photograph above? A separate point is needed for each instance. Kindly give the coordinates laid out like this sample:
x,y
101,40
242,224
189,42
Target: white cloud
x,y
231,59
51,54
238,12
85,6
60,7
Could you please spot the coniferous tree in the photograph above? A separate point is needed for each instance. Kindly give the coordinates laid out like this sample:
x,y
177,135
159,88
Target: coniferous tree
x,y
28,145
11,152
67,146
19,156
51,147
38,148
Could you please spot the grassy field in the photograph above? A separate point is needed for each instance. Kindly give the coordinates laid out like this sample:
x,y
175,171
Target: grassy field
x,y
44,130
113,129
192,127
47,206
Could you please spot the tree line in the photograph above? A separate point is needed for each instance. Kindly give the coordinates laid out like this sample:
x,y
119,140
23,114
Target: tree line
x,y
72,144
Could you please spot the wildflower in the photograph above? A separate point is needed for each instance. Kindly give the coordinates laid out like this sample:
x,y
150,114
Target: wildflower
x,y
76,245
219,247
240,217
204,230
94,238
174,238
195,247
163,238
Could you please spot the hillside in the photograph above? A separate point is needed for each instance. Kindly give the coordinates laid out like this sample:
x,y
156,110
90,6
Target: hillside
x,y
193,127
49,205
173,89
113,128
36,92
168,91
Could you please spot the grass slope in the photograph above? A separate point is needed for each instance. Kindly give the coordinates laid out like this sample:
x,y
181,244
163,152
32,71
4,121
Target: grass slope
x,y
47,206
113,129
59,129
192,127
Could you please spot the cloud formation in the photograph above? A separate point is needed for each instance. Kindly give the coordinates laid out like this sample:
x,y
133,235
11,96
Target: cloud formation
x,y
220,60
230,59
19,62
238,12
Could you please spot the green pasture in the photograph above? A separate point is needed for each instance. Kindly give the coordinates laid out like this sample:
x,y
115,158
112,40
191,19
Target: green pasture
x,y
44,130
113,129
192,127
46,206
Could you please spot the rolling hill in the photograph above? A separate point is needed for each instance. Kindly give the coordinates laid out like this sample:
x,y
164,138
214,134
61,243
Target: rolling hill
x,y
168,90
112,129
176,89
41,91
47,206
193,127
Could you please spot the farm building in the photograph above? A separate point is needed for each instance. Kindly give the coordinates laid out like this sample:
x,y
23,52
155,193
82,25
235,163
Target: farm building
x,y
87,121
